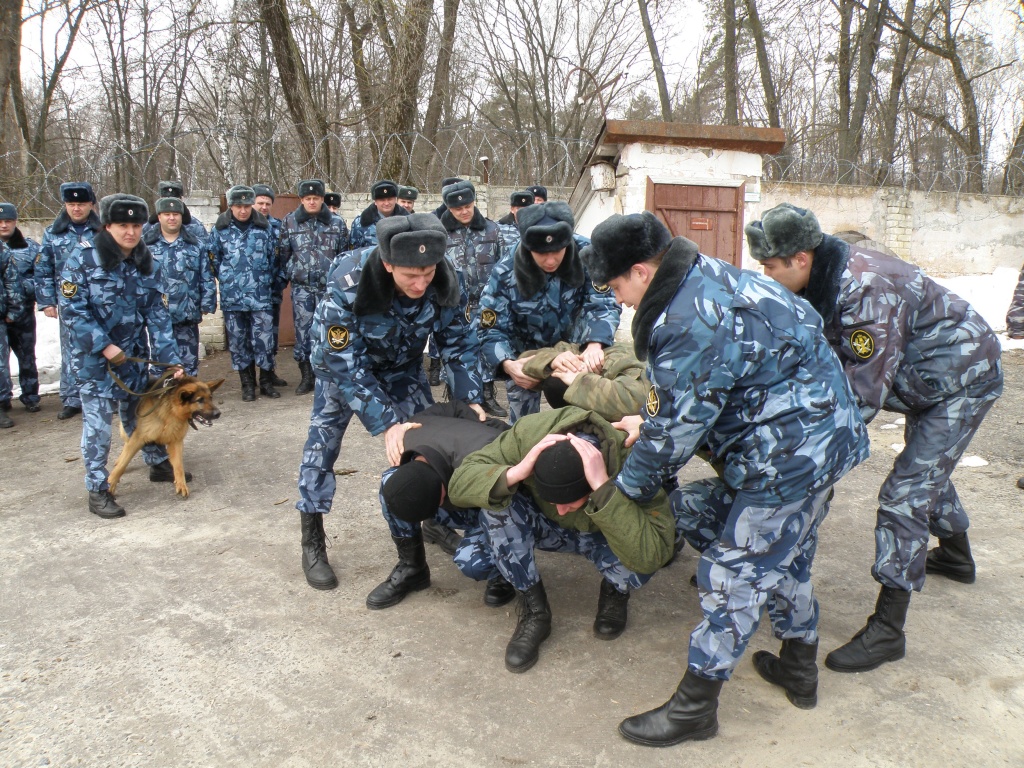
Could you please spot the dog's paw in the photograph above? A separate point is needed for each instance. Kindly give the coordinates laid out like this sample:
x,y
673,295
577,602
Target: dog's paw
x,y
181,490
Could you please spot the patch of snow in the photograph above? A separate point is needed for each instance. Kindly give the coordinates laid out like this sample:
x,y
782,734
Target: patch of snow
x,y
972,461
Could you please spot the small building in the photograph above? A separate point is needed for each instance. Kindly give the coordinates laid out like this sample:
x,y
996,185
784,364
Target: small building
x,y
695,178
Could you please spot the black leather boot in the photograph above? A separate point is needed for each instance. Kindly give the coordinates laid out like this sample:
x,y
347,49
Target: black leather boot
x,y
164,473
410,575
308,381
267,385
490,404
276,380
498,592
5,421
611,612
435,533
247,377
952,559
69,411
880,640
102,504
319,574
794,670
533,628
690,715
434,372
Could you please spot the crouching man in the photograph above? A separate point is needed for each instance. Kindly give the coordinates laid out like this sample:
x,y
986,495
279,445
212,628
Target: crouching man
x,y
545,484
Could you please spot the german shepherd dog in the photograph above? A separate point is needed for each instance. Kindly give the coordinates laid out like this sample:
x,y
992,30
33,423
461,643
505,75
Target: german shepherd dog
x,y
165,414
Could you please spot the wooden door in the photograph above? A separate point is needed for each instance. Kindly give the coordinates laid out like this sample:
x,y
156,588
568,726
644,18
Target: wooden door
x,y
283,205
712,217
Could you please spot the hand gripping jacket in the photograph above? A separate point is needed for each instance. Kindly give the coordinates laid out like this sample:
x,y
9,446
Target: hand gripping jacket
x,y
308,245
188,275
60,242
245,263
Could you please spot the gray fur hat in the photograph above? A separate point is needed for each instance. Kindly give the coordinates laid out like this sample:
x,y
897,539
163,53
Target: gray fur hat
x,y
264,190
241,195
546,227
170,189
459,194
619,242
8,212
169,205
408,193
77,192
416,240
520,199
448,180
785,229
123,209
312,187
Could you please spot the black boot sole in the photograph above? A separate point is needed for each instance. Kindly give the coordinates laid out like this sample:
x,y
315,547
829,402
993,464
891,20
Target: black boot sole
x,y
952,575
707,733
515,670
835,667
397,598
324,585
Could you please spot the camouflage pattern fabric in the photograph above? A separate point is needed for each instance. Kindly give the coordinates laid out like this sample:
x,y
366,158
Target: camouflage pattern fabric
x,y
753,557
245,264
21,338
97,414
6,385
308,246
70,384
10,307
186,337
188,276
474,250
304,301
24,258
250,337
1015,314
521,402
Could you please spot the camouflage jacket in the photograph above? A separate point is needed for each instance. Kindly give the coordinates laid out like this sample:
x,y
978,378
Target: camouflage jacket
x,y
106,299
738,362
522,308
308,245
474,249
24,252
188,275
905,342
364,228
1015,315
640,533
60,241
189,223
365,336
10,289
245,263
620,389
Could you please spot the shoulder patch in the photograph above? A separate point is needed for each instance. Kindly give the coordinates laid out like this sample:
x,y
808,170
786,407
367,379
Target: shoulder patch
x,y
862,343
488,317
653,404
338,337
601,288
68,289
469,315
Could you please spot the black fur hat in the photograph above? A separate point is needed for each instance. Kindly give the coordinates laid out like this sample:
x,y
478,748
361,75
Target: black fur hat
x,y
170,205
123,209
241,195
620,241
332,199
170,189
545,227
450,180
788,229
756,240
264,190
520,199
416,240
312,187
77,192
459,194
384,189
408,193
538,191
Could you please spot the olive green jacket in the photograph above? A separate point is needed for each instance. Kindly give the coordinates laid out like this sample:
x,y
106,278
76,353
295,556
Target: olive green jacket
x,y
641,534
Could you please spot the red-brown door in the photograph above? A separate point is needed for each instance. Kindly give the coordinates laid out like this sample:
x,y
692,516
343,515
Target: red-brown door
x,y
710,216
283,205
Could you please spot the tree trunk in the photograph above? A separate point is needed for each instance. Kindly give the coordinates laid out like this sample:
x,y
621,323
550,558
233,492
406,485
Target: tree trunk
x,y
729,73
659,71
1013,175
890,110
771,98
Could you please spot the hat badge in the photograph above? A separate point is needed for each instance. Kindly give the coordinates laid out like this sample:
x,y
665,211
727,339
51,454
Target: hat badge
x,y
548,239
131,212
423,249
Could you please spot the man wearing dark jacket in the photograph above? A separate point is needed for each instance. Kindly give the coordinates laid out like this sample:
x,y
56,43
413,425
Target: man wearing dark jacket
x,y
384,205
21,327
907,345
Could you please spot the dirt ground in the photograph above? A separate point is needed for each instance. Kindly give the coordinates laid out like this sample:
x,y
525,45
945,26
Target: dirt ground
x,y
185,634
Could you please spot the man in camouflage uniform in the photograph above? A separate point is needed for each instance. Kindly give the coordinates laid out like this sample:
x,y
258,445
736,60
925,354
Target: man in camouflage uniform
x,y
413,495
407,197
244,258
265,197
21,327
446,182
189,287
540,295
111,293
368,338
311,238
10,307
545,484
507,223
384,205
333,202
72,230
910,346
190,224
737,364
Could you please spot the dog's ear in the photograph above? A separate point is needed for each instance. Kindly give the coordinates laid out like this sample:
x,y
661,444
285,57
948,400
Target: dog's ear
x,y
214,384
186,395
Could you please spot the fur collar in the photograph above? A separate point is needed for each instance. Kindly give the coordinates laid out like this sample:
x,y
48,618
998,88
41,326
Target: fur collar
x,y
110,254
376,289
674,267
822,291
371,215
452,224
17,240
530,279
186,216
63,222
257,219
155,234
323,215
508,218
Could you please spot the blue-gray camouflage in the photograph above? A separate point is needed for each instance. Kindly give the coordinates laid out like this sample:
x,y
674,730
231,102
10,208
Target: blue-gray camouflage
x,y
21,340
245,262
24,252
364,228
304,303
188,275
250,337
1015,314
97,415
474,249
911,346
186,336
11,308
189,224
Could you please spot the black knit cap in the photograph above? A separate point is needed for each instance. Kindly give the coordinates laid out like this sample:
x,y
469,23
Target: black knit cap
x,y
413,492
545,227
459,194
170,189
558,477
521,199
619,242
332,200
264,190
416,240
123,209
312,187
538,191
384,189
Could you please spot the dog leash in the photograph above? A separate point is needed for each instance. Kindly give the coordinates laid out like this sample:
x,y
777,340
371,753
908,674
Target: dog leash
x,y
152,391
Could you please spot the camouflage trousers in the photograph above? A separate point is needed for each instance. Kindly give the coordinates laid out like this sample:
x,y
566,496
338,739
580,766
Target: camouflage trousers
x,y
509,537
304,301
327,424
918,496
754,555
6,386
70,385
521,402
186,335
486,374
21,337
250,339
97,415
275,311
